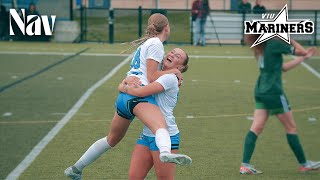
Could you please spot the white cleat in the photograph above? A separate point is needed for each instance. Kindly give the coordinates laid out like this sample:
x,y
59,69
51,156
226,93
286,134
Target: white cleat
x,y
72,175
310,166
248,169
179,159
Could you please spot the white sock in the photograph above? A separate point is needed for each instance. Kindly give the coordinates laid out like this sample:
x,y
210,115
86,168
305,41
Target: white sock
x,y
163,140
94,151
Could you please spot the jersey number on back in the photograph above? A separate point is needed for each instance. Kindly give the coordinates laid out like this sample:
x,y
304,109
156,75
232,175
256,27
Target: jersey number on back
x,y
135,63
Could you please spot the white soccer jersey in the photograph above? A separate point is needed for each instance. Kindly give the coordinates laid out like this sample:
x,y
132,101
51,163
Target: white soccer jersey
x,y
151,49
167,101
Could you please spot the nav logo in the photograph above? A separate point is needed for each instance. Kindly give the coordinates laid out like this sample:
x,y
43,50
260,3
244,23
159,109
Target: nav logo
x,y
32,24
279,26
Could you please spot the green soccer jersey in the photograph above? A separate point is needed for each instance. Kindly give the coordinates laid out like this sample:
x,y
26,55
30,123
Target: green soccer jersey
x,y
270,64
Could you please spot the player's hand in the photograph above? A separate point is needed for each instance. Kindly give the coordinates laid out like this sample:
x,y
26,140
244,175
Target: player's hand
x,y
179,76
310,52
122,85
132,81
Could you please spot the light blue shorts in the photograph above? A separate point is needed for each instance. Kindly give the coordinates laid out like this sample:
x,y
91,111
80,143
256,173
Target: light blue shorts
x,y
151,142
126,103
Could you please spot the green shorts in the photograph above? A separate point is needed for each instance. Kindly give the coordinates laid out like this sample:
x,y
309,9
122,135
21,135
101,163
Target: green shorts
x,y
274,104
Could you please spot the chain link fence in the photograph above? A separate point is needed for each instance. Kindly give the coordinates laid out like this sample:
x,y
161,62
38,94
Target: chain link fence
x,y
126,25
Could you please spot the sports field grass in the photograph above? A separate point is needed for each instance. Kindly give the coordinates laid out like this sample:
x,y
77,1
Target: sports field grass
x,y
215,105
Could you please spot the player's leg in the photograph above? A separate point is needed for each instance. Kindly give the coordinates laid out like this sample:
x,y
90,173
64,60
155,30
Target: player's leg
x,y
141,162
152,117
164,171
293,140
196,31
202,31
259,120
119,127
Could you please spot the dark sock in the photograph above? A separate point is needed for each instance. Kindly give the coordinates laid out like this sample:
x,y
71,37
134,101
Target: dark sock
x,y
296,147
249,145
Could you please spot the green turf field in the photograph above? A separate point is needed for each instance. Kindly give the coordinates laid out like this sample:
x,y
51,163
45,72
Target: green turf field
x,y
215,105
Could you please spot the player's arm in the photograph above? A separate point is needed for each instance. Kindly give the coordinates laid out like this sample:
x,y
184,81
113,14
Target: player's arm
x,y
280,47
298,49
132,80
153,73
292,64
155,56
141,91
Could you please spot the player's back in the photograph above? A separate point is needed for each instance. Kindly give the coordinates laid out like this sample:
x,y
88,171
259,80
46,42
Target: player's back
x,y
151,49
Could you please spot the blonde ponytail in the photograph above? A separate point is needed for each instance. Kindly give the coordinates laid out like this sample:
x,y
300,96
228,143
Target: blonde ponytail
x,y
156,24
185,64
185,68
135,43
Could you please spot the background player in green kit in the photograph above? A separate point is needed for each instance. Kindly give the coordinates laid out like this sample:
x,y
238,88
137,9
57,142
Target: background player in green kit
x,y
271,99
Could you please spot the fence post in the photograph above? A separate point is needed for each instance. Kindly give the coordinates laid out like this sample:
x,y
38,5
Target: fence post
x,y
191,29
140,21
111,27
315,27
81,23
243,19
85,23
71,10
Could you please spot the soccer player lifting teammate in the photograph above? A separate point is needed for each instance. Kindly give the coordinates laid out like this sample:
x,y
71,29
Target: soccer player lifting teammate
x,y
145,64
165,90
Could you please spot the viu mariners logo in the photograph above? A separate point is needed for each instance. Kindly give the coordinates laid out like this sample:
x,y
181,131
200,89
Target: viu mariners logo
x,y
279,26
32,24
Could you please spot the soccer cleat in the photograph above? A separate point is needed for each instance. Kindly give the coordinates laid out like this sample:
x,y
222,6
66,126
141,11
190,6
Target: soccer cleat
x,y
71,174
248,169
310,166
179,159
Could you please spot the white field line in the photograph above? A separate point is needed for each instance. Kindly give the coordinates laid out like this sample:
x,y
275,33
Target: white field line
x,y
25,163
104,54
309,68
62,53
38,53
125,55
111,54
219,57
177,117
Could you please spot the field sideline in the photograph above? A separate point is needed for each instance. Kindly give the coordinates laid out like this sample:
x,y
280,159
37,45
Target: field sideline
x,y
213,114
